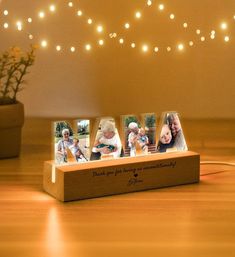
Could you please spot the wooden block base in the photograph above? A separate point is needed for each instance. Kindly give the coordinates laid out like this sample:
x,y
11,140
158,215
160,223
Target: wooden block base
x,y
101,178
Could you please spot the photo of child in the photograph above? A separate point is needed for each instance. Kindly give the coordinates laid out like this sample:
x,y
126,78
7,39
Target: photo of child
x,y
171,135
143,140
107,142
77,152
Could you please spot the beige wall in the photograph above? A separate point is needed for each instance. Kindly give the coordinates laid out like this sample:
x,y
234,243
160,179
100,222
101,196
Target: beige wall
x,y
198,83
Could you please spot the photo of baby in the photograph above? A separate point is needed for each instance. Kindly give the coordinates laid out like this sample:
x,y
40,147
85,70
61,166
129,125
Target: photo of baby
x,y
107,141
171,136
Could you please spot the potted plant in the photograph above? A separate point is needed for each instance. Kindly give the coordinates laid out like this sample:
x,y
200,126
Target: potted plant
x,y
14,64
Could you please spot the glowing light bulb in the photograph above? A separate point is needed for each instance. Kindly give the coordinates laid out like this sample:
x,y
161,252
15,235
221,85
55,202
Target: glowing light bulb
x,y
5,25
132,45
99,28
161,7
70,4
138,15
180,47
172,16
191,43
145,48
213,32
44,43
89,21
19,25
226,38
149,2
156,49
88,47
5,12
52,8
168,49
203,39
224,25
234,17
101,42
30,36
198,31
79,13
121,40
41,14
72,49
185,25
127,25
29,20
58,48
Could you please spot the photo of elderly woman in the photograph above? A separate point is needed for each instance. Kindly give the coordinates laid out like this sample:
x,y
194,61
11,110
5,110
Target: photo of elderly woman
x,y
107,141
171,136
63,140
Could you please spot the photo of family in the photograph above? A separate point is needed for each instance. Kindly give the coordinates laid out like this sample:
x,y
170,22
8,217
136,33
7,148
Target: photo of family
x,y
171,136
107,141
67,145
136,139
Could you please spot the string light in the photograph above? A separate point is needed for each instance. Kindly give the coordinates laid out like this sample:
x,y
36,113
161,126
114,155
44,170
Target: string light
x,y
6,25
72,49
198,31
41,14
180,47
44,43
127,25
88,47
185,25
70,4
168,49
30,36
89,21
5,12
29,20
19,25
79,13
161,7
121,40
226,38
191,43
203,39
58,48
138,15
132,45
149,2
156,49
101,42
99,28
145,48
172,16
52,8
224,26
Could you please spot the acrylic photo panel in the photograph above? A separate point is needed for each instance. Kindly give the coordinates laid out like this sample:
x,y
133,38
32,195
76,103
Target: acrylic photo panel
x,y
81,141
107,143
171,137
135,139
149,124
63,139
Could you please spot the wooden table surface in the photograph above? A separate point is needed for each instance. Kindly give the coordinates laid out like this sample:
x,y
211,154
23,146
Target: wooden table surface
x,y
191,220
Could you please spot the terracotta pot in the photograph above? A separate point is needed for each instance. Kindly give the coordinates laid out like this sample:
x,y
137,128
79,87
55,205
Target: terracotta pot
x,y
11,122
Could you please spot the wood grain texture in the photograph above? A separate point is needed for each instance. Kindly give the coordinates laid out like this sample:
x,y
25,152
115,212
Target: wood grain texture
x,y
192,220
